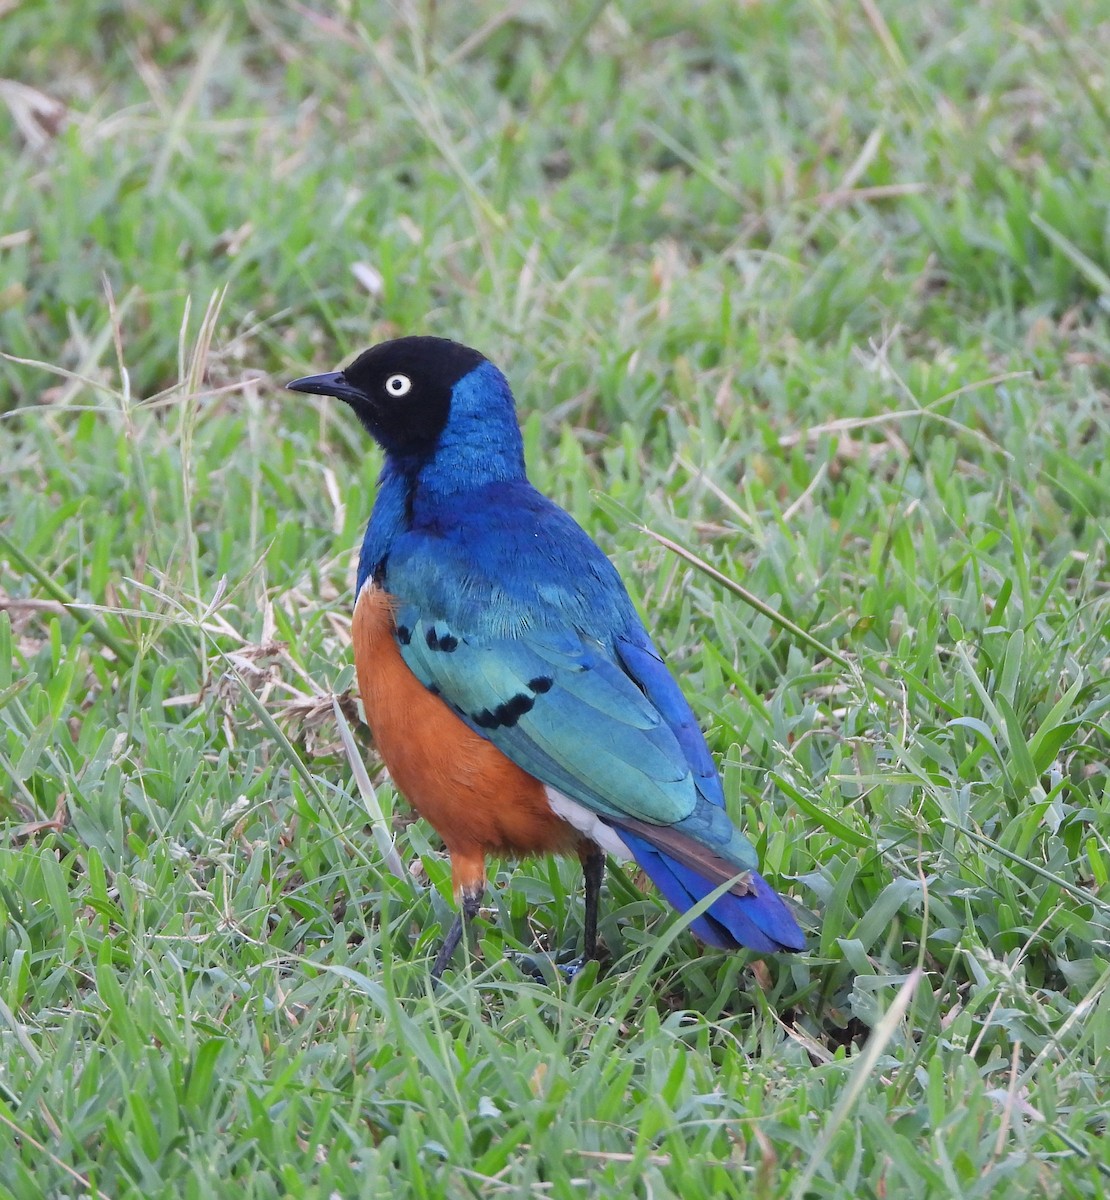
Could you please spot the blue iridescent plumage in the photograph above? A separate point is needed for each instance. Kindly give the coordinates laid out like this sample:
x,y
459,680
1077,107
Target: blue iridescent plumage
x,y
512,614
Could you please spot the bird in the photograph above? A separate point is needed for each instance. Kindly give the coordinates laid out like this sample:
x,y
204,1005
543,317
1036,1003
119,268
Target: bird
x,y
512,690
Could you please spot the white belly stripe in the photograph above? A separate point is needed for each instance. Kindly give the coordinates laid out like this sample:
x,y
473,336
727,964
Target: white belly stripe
x,y
588,823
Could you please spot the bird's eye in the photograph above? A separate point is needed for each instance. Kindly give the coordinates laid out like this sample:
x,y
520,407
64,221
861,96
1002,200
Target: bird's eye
x,y
398,385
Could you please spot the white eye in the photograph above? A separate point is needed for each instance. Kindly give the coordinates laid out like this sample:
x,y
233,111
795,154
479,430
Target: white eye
x,y
398,385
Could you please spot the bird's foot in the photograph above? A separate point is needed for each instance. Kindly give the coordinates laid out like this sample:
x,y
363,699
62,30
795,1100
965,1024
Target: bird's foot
x,y
571,969
544,968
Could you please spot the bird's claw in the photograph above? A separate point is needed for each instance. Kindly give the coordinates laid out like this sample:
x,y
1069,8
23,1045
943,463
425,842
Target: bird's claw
x,y
571,969
544,967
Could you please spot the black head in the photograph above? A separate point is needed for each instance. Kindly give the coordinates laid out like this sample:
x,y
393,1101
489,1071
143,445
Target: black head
x,y
400,390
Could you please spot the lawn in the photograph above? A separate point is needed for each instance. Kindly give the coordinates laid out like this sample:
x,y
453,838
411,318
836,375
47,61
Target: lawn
x,y
817,292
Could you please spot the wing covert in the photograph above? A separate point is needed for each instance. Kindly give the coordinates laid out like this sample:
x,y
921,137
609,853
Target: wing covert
x,y
560,709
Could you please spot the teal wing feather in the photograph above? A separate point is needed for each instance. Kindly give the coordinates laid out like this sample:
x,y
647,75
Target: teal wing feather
x,y
560,708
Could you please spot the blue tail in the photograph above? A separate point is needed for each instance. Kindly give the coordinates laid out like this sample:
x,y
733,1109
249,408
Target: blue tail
x,y
760,920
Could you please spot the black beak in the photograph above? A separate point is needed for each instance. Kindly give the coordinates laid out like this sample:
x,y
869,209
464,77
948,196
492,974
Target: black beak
x,y
333,383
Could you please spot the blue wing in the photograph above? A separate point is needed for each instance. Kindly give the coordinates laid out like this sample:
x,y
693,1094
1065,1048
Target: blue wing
x,y
560,709
524,628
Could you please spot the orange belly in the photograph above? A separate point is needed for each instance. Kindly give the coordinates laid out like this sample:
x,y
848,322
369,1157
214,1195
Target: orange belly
x,y
476,799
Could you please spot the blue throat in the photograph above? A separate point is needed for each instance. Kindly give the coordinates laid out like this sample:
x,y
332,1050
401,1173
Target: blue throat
x,y
479,445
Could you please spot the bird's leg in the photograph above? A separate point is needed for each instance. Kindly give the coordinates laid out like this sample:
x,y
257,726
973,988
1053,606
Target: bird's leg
x,y
593,870
471,902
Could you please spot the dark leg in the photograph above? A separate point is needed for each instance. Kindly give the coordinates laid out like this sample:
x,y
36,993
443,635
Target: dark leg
x,y
471,903
593,869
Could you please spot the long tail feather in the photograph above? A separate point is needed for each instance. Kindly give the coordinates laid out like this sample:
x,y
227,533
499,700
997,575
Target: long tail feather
x,y
759,920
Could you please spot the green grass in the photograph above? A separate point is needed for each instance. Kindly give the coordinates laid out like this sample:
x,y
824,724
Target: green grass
x,y
818,292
